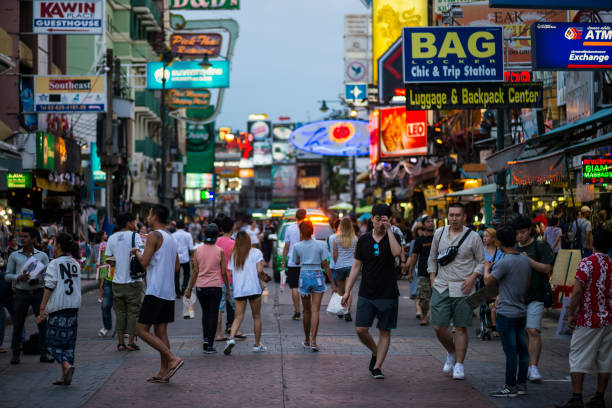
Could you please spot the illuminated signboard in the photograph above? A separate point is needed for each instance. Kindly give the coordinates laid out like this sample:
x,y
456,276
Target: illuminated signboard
x,y
198,180
195,45
402,132
189,98
19,180
597,169
204,5
333,138
206,195
520,76
188,75
246,173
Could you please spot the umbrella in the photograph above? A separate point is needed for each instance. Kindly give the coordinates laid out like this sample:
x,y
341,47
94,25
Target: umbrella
x,y
365,217
364,209
341,206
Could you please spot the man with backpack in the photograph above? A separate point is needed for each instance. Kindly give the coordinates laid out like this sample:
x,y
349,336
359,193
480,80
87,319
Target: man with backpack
x,y
539,294
582,232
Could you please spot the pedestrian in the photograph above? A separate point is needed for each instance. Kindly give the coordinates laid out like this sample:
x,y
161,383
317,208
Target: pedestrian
x,y
194,229
253,231
420,255
492,254
311,255
375,255
28,292
60,305
512,275
7,301
603,222
343,253
105,277
160,258
335,228
13,246
552,234
246,266
455,261
208,277
185,251
582,232
412,274
292,237
267,244
541,258
590,316
127,291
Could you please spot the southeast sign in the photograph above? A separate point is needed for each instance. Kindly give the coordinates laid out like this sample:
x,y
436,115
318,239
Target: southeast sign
x,y
188,75
571,46
204,4
453,54
66,93
333,138
68,17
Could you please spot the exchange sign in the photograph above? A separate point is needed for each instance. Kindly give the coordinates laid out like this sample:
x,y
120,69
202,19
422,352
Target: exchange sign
x,y
188,75
68,17
474,96
570,46
195,45
204,4
66,93
453,54
596,170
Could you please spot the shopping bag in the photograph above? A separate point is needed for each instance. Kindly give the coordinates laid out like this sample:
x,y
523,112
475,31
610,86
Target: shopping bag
x,y
334,307
283,278
189,306
563,329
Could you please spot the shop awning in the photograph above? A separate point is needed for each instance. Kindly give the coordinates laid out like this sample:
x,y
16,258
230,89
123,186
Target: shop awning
x,y
486,189
499,161
364,210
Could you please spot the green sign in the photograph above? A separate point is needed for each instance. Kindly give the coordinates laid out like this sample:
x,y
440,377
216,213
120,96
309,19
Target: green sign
x,y
45,151
204,5
19,180
98,175
597,169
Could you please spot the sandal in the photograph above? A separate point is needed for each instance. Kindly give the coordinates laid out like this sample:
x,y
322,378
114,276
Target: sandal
x,y
155,379
132,347
121,347
306,344
314,348
174,369
58,382
240,336
221,339
68,376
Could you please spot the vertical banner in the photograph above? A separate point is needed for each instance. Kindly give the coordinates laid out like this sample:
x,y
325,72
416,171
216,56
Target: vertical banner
x,y
388,18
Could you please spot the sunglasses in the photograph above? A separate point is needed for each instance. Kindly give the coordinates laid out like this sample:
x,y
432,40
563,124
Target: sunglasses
x,y
376,250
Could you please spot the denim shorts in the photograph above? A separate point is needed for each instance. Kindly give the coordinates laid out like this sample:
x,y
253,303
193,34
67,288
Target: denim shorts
x,y
224,298
341,274
535,312
311,282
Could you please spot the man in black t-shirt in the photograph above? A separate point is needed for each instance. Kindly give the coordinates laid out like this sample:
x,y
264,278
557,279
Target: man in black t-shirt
x,y
420,254
378,293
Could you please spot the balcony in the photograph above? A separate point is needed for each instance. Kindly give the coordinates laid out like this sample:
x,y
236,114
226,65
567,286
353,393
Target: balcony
x,y
148,147
147,104
148,14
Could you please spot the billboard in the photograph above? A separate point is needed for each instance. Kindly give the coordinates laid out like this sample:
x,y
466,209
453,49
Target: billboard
x,y
402,132
179,5
262,153
571,46
555,4
188,75
284,181
374,128
474,96
198,180
66,93
388,18
333,138
453,54
282,131
260,129
596,170
185,45
68,17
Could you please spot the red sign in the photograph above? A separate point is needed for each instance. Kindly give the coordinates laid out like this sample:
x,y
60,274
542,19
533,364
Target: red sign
x,y
374,121
521,76
402,132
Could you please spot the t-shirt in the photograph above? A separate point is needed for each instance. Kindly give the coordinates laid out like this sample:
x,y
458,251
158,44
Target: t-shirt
x,y
119,245
584,226
512,273
185,244
63,277
551,234
209,266
422,246
345,255
254,234
310,254
227,245
541,219
378,279
246,280
595,275
330,247
292,237
538,280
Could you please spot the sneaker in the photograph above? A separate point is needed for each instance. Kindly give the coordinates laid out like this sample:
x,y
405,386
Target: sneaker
x,y
449,364
376,373
229,345
458,373
348,318
574,402
534,375
372,362
102,332
205,346
259,349
521,389
210,350
505,391
596,402
296,316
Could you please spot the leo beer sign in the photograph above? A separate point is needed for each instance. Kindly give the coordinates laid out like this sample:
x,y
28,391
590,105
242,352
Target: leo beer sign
x,y
402,132
68,17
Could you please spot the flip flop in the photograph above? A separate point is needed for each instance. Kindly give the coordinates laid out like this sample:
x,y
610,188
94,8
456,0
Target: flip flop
x,y
155,379
306,344
174,369
58,382
240,336
314,348
68,376
221,339
132,347
121,347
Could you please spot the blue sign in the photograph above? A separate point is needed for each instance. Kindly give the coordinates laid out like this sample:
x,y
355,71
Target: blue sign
x,y
571,46
188,75
453,54
333,138
554,4
356,93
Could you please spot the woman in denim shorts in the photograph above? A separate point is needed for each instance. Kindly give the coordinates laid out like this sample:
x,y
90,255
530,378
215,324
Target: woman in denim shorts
x,y
311,255
343,252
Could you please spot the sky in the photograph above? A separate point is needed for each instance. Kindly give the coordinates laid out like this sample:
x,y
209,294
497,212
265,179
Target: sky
x,y
288,55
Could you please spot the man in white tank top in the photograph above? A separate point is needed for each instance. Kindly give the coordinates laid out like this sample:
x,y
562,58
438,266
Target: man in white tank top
x,y
160,258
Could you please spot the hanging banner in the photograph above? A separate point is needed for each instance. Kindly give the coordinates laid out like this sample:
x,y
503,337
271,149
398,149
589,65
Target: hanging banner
x,y
68,17
178,5
195,45
66,93
402,132
554,4
474,96
453,54
571,46
189,98
188,75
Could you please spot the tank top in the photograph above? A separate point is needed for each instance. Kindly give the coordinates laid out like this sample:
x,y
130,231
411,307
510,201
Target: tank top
x,y
160,272
209,266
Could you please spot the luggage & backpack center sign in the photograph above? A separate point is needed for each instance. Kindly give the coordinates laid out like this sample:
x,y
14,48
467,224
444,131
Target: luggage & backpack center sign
x,y
453,54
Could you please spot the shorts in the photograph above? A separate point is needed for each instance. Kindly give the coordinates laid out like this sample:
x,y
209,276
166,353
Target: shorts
x,y
311,282
591,350
385,310
249,297
341,274
535,312
223,298
444,307
293,276
424,288
156,310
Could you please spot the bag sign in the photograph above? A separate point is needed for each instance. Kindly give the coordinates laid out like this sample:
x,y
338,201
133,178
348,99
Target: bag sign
x,y
453,54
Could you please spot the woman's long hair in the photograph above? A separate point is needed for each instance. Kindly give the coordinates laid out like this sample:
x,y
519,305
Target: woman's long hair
x,y
346,237
241,250
67,244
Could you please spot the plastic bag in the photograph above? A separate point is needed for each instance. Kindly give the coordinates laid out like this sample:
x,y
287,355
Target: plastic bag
x,y
283,280
334,307
189,306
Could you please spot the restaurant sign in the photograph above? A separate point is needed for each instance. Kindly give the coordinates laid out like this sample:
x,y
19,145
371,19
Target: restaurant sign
x,y
189,98
195,45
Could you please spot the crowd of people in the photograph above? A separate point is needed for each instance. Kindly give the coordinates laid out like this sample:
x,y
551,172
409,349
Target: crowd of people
x,y
448,268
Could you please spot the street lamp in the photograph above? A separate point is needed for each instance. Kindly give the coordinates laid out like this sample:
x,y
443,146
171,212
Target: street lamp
x,y
205,63
167,59
324,107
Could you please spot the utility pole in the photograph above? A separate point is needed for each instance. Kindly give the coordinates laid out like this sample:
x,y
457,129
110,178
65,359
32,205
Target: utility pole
x,y
109,159
353,183
500,195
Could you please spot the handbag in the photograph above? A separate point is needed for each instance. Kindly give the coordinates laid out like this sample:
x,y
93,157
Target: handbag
x,y
137,271
334,307
448,255
549,297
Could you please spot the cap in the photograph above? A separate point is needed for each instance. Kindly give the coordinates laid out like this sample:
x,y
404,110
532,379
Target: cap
x,y
585,209
211,233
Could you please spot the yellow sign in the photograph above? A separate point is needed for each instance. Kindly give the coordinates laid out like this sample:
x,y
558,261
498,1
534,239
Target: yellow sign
x,y
388,18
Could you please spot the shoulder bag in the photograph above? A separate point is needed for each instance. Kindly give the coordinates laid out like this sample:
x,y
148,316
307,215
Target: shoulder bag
x,y
549,297
448,255
137,271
